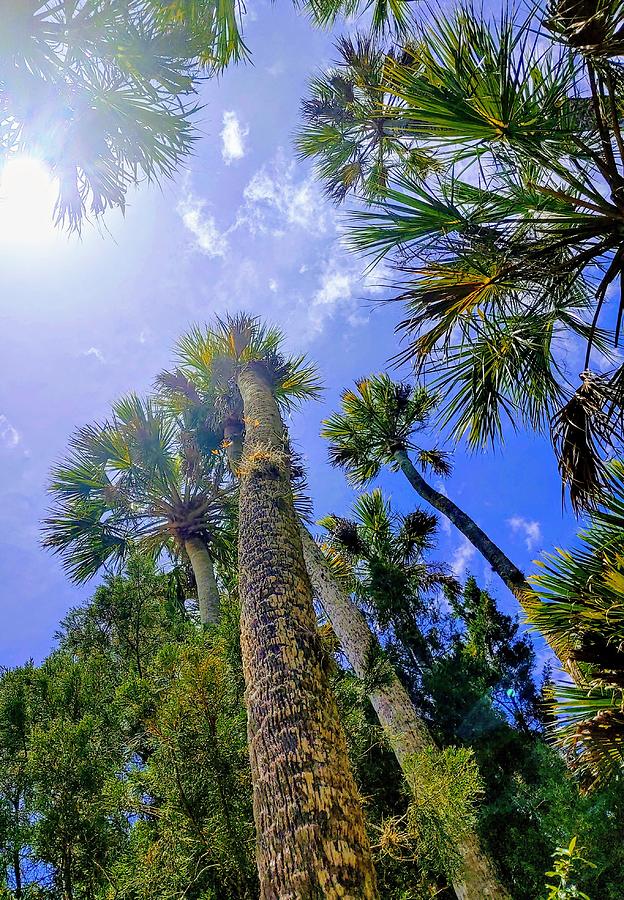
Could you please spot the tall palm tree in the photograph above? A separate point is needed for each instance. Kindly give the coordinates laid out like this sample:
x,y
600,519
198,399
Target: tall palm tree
x,y
102,92
140,479
578,607
376,427
311,839
507,253
403,725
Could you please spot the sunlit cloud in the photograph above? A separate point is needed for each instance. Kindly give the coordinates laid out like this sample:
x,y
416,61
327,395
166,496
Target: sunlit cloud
x,y
202,226
461,558
530,530
9,435
96,353
233,137
275,198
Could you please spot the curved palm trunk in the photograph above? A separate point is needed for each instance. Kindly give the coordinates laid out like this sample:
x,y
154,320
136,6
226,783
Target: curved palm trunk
x,y
207,589
397,715
500,562
502,565
311,838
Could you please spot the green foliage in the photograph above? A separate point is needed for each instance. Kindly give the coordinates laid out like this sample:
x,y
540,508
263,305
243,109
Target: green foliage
x,y
578,606
102,92
378,419
139,479
444,786
564,862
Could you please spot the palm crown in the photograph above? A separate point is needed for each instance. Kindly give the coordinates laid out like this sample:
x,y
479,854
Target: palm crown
x,y
382,557
210,358
379,418
507,253
137,479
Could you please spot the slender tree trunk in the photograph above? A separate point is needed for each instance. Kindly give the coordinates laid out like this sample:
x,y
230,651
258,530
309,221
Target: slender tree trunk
x,y
311,837
502,565
500,562
207,589
399,718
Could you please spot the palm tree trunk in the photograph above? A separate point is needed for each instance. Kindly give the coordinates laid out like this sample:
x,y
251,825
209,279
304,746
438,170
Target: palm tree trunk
x,y
207,589
399,718
311,837
501,564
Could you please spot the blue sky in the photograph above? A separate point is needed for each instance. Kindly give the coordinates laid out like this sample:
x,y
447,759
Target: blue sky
x,y
83,321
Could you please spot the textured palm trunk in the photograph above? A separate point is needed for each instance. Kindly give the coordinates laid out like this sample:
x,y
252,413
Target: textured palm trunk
x,y
207,588
399,718
311,837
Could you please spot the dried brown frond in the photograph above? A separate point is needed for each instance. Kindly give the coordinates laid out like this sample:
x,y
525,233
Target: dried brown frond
x,y
583,433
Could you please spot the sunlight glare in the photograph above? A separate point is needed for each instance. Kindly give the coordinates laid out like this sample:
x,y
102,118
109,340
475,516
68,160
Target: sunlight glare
x,y
27,197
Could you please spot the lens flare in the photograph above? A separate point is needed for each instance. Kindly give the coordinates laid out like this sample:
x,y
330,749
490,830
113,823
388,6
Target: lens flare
x,y
27,197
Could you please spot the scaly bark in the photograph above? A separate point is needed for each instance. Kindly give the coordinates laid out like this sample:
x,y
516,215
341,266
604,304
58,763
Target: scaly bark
x,y
207,589
399,718
311,837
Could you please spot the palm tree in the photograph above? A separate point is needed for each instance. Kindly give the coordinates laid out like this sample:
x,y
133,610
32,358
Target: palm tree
x,y
403,725
311,838
140,480
102,92
509,250
577,606
376,427
391,576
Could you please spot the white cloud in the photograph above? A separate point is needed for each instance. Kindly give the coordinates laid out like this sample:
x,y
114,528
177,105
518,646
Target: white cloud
x,y
530,530
461,558
95,352
9,435
202,226
273,285
233,138
274,191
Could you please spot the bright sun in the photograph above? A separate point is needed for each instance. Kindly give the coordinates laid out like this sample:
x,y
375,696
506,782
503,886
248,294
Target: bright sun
x,y
27,197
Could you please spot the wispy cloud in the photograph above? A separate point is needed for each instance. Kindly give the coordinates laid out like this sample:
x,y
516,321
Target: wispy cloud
x,y
275,194
529,530
233,137
461,558
202,226
96,353
9,435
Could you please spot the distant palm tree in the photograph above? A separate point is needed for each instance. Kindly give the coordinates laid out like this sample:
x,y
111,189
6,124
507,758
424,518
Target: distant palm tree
x,y
140,480
578,606
310,841
372,547
102,92
376,428
509,246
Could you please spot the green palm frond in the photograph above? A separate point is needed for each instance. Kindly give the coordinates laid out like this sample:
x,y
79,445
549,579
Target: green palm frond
x,y
386,16
140,478
578,605
211,358
377,418
353,129
484,82
215,26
